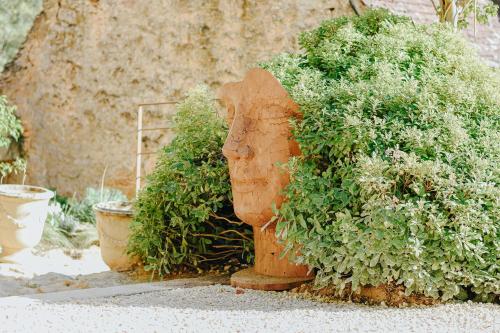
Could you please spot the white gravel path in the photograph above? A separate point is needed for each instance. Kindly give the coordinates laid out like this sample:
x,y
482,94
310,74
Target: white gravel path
x,y
219,309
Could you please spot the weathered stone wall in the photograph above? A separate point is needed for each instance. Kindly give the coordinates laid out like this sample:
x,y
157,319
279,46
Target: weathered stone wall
x,y
87,63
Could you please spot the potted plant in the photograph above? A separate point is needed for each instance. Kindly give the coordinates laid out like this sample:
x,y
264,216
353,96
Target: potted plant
x,y
23,210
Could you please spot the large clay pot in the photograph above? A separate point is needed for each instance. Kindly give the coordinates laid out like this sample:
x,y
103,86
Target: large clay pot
x,y
113,220
23,210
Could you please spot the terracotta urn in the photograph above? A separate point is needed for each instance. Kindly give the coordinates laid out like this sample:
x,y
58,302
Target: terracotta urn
x,y
113,221
23,211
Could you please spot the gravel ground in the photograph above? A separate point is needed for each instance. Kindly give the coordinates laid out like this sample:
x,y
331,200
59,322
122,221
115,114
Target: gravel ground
x,y
220,309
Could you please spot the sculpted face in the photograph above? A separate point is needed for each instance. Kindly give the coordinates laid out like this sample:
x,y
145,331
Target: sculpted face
x,y
259,109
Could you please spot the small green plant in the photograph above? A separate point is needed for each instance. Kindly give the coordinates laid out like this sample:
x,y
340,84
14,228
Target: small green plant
x,y
10,133
83,211
399,178
64,231
184,216
71,223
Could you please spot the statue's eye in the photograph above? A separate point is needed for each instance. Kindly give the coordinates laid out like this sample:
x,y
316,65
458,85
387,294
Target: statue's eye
x,y
278,121
250,124
273,111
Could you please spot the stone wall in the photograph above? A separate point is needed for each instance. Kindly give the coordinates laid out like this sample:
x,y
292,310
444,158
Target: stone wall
x,y
87,63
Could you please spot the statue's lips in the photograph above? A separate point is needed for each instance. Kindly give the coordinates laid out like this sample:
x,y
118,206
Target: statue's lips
x,y
245,186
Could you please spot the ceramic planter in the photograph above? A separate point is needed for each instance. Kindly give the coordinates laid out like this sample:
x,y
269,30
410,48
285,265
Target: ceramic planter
x,y
23,210
113,220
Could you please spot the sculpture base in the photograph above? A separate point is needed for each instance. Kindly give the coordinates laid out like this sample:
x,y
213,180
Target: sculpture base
x,y
267,256
270,271
249,279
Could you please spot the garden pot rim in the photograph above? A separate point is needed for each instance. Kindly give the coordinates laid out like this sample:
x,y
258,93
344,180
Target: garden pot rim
x,y
114,207
25,192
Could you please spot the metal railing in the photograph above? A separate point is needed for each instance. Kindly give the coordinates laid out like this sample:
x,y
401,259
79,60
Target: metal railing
x,y
140,131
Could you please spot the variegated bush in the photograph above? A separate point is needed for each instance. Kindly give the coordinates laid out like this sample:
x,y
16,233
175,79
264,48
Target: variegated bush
x,y
399,178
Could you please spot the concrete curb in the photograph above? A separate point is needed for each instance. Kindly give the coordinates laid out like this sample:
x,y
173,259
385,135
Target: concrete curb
x,y
123,290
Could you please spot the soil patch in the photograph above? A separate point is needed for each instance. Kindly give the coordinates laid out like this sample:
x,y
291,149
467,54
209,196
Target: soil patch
x,y
390,295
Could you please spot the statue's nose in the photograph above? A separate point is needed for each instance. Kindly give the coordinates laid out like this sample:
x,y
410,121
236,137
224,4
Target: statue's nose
x,y
236,146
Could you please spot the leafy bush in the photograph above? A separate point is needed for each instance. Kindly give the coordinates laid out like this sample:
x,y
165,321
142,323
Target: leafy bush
x,y
10,132
16,19
398,182
184,215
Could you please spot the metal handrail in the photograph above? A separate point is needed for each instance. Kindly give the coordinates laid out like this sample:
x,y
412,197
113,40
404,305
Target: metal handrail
x,y
140,130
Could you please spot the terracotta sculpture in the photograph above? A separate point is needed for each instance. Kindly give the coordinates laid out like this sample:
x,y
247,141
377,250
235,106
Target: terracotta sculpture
x,y
258,112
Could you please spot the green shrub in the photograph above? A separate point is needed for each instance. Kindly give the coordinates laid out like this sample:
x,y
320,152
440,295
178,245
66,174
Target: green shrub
x,y
184,215
398,182
16,19
10,133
